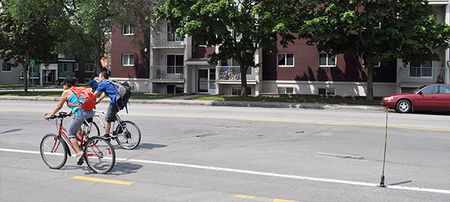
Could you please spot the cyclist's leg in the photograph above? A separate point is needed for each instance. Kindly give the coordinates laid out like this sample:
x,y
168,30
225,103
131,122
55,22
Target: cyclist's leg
x,y
74,128
110,117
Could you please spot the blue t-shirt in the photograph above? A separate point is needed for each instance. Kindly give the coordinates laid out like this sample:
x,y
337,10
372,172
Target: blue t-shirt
x,y
107,87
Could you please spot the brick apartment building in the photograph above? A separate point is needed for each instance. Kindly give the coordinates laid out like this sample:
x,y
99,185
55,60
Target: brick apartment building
x,y
171,65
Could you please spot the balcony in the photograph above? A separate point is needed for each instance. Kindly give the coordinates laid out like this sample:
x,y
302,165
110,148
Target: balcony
x,y
231,74
165,74
163,41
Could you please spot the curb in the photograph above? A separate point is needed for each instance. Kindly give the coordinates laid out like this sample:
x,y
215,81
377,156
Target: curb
x,y
223,103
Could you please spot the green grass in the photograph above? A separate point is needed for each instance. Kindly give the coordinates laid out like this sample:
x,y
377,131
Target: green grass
x,y
31,93
295,99
11,85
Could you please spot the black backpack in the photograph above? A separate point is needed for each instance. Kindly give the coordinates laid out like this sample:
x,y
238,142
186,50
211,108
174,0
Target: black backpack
x,y
124,94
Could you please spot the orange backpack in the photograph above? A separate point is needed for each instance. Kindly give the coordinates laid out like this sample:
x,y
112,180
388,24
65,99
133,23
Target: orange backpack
x,y
86,98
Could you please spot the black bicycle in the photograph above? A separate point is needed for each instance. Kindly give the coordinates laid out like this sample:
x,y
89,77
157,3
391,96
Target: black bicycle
x,y
126,133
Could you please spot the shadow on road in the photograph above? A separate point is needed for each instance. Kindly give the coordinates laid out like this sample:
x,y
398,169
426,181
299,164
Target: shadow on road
x,y
143,146
124,168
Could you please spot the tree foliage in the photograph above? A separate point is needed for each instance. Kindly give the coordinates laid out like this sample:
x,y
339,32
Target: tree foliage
x,y
237,28
91,21
28,31
378,30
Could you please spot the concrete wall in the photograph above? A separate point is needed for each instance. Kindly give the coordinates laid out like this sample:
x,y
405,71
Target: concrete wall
x,y
11,77
341,88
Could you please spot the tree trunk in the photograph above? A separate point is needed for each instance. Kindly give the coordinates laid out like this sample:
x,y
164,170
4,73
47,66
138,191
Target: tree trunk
x,y
25,76
244,92
369,94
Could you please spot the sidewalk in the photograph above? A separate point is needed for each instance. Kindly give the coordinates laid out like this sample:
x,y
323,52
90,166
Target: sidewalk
x,y
180,101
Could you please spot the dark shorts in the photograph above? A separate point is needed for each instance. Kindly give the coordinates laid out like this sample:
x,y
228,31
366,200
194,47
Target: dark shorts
x,y
111,113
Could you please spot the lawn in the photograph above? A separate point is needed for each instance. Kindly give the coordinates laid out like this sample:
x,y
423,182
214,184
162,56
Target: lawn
x,y
294,99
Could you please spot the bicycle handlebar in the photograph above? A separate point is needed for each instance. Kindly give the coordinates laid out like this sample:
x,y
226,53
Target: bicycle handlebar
x,y
60,115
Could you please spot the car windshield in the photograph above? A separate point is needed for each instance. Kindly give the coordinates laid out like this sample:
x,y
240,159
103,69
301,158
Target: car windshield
x,y
418,89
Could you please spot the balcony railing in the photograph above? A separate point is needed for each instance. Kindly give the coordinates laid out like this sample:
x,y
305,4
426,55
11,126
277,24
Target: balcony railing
x,y
161,40
233,73
167,73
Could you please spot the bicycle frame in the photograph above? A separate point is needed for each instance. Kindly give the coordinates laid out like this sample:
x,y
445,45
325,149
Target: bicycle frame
x,y
62,132
113,126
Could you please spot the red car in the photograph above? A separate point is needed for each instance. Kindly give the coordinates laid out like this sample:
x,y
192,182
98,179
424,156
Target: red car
x,y
432,97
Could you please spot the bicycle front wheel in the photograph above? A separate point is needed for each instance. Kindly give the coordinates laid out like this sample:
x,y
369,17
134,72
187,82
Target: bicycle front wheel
x,y
128,135
53,151
99,155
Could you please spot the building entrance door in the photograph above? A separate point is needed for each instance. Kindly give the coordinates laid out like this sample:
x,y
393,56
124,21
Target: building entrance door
x,y
206,80
49,76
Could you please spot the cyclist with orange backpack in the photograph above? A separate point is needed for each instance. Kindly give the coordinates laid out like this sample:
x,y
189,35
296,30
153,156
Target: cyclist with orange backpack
x,y
81,101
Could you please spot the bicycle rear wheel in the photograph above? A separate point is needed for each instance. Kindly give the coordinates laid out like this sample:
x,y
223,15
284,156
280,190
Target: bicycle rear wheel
x,y
53,151
99,155
128,135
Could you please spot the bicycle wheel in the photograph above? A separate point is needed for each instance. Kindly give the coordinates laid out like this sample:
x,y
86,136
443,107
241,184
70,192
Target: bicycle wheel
x,y
53,151
99,155
93,129
128,135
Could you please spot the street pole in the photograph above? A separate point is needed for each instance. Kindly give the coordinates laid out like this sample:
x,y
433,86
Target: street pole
x,y
385,146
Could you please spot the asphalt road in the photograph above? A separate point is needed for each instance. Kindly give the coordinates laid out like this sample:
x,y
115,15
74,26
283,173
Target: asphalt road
x,y
199,153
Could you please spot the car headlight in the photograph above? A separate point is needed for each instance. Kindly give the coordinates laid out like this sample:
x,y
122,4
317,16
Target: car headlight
x,y
388,98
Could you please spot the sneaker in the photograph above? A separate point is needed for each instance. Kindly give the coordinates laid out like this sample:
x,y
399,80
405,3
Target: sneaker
x,y
108,137
80,158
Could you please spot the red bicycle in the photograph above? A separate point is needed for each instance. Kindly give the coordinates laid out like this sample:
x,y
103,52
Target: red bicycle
x,y
97,151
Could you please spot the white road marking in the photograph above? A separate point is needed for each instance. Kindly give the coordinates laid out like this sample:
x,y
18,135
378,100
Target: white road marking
x,y
250,172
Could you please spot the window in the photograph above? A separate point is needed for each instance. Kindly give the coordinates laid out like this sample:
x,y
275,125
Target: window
x,y
127,59
89,67
430,89
285,90
65,67
285,60
175,89
175,64
326,91
443,89
327,60
363,62
171,35
128,29
237,90
421,70
6,67
229,62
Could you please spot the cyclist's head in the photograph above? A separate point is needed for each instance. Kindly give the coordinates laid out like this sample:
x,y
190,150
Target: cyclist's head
x,y
103,75
68,81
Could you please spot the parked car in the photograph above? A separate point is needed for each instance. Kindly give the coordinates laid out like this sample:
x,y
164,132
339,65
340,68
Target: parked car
x,y
432,97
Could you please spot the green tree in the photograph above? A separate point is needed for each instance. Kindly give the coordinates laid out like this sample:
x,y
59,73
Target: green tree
x,y
90,23
29,30
237,28
378,30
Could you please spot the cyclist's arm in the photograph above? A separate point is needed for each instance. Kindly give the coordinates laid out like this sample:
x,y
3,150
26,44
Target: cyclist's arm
x,y
100,95
60,104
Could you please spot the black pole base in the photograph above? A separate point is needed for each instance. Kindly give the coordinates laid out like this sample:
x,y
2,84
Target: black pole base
x,y
382,182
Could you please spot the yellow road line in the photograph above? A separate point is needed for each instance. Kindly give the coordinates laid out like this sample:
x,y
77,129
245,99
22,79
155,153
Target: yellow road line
x,y
257,198
282,200
242,196
94,179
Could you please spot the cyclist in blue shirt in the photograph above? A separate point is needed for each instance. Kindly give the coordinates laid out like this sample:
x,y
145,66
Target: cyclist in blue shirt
x,y
106,89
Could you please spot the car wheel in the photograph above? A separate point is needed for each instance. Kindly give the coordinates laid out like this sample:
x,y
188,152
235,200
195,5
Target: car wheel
x,y
403,106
